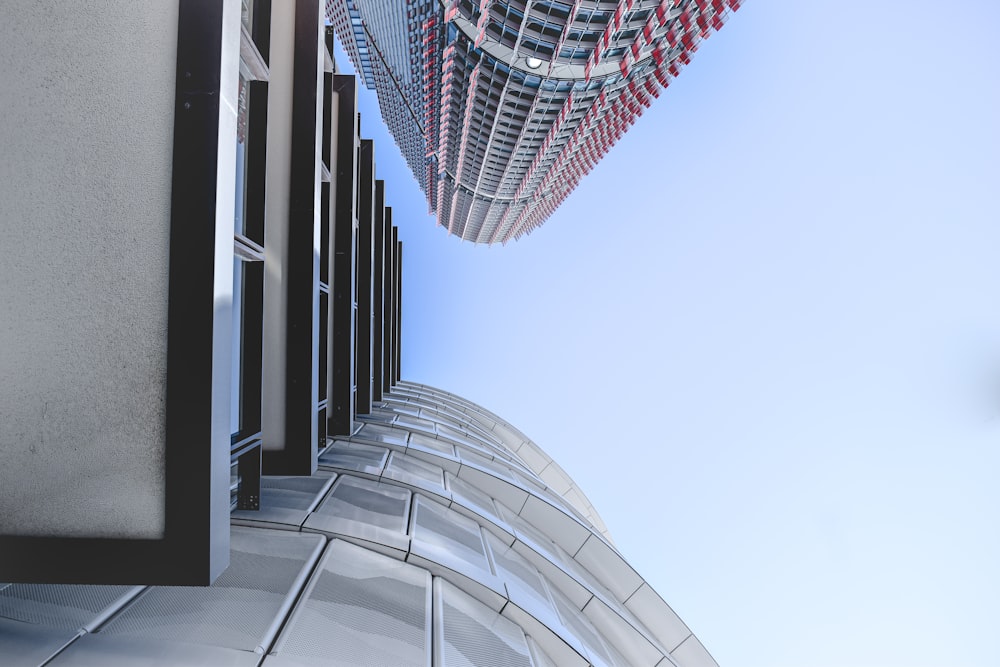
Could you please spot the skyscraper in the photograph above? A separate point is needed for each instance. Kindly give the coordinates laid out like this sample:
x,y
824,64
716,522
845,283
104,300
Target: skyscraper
x,y
500,107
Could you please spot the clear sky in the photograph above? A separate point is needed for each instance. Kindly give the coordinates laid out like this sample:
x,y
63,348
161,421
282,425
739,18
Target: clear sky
x,y
764,334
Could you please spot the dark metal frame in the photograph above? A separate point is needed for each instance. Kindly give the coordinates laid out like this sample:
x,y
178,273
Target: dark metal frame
x,y
366,254
246,443
398,293
195,546
340,405
389,304
247,457
378,287
301,276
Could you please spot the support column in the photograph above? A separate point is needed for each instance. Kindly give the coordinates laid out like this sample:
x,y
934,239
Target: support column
x,y
378,285
343,306
366,257
292,238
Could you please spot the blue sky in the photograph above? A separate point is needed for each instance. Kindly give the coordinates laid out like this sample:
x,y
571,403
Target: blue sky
x,y
764,334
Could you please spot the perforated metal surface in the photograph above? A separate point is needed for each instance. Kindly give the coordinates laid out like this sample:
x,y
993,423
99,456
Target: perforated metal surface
x,y
30,644
430,443
474,499
397,404
121,651
383,433
354,456
472,451
475,636
57,606
361,609
365,501
364,509
378,415
304,485
286,500
415,424
447,537
415,472
239,609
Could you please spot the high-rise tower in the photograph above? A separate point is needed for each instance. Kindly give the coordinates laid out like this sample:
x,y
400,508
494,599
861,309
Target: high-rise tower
x,y
501,106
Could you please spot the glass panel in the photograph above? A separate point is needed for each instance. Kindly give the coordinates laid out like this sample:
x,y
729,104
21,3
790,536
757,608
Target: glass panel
x,y
236,377
242,123
246,14
324,311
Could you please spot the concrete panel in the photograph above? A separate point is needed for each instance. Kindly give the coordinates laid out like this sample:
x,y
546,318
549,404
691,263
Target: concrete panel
x,y
85,185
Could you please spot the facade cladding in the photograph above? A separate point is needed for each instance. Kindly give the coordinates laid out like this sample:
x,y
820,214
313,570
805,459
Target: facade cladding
x,y
230,330
436,534
500,107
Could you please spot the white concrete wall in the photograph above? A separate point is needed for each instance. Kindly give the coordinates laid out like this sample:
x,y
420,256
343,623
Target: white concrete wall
x,y
86,130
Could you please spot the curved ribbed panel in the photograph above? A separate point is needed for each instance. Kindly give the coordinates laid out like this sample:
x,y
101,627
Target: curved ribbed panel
x,y
506,441
500,107
472,635
523,574
361,608
437,534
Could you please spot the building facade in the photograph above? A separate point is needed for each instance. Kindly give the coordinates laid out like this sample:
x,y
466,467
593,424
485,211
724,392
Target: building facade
x,y
500,107
207,453
197,253
435,534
